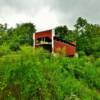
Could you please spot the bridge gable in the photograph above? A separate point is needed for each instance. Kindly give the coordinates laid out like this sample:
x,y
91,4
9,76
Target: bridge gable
x,y
43,34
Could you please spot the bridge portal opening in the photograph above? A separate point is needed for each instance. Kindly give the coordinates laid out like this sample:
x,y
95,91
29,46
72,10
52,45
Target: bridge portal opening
x,y
44,42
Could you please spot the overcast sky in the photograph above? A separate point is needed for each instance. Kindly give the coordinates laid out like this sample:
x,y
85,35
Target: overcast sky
x,y
47,14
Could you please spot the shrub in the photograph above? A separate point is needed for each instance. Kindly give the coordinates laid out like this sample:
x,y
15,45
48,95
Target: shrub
x,y
4,50
14,46
34,74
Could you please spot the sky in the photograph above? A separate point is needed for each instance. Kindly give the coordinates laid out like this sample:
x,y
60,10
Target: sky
x,y
47,14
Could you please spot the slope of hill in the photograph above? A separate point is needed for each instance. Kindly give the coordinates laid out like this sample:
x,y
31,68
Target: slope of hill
x,y
37,75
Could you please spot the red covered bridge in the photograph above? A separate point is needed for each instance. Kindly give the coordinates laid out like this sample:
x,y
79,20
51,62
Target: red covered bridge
x,y
47,40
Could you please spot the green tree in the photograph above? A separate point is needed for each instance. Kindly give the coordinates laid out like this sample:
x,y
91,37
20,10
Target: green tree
x,y
88,37
61,31
22,33
3,33
64,33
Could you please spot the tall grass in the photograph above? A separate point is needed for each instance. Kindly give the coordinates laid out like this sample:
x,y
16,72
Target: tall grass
x,y
35,74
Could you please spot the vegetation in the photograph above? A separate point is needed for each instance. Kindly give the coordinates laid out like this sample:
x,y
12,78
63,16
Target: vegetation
x,y
21,34
64,33
86,35
35,74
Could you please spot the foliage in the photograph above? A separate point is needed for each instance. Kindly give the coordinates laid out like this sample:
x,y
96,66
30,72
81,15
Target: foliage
x,y
86,36
14,46
3,33
22,33
61,31
64,33
88,39
34,74
4,50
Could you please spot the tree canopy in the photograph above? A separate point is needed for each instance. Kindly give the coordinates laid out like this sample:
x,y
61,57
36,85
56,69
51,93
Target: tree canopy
x,y
85,34
21,34
88,39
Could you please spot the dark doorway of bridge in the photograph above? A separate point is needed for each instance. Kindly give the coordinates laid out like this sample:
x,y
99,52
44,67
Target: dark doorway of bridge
x,y
45,43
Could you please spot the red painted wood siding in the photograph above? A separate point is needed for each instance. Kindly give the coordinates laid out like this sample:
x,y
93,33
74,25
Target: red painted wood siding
x,y
69,50
42,34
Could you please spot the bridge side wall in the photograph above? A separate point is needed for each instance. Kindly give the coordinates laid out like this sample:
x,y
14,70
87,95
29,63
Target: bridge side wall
x,y
64,48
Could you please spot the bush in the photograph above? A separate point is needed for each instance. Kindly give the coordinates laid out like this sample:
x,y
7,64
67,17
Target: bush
x,y
34,74
4,50
14,46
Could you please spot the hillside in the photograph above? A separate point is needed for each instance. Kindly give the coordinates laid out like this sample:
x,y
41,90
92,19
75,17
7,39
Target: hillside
x,y
35,74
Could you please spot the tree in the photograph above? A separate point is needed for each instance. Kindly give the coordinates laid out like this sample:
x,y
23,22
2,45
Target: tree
x,y
3,33
88,37
61,31
22,33
71,36
64,33
81,24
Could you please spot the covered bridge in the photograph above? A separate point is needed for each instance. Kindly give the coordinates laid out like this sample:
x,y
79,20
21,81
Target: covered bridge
x,y
50,42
